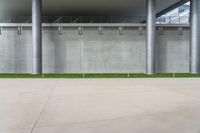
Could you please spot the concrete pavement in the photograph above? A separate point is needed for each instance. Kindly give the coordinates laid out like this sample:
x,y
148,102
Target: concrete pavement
x,y
99,106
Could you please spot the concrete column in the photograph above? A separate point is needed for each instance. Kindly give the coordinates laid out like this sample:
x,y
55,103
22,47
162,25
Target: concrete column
x,y
195,37
37,36
151,34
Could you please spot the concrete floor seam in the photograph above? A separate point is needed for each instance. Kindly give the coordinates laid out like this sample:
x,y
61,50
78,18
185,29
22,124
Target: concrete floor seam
x,y
45,104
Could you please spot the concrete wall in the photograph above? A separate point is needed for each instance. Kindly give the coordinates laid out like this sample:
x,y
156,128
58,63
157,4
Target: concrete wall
x,y
93,53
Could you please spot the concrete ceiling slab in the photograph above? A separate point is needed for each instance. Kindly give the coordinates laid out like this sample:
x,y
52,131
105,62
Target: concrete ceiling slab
x,y
82,7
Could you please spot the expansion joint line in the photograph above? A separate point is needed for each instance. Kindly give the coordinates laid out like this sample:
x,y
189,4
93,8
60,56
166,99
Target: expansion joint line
x,y
44,106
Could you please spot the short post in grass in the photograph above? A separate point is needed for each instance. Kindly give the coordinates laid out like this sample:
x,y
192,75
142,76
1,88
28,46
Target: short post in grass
x,y
174,75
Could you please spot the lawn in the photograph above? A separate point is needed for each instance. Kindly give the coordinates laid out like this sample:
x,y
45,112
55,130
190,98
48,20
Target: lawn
x,y
103,75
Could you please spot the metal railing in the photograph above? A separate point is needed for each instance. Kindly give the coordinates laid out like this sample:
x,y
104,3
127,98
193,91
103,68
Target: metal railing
x,y
75,19
97,19
173,20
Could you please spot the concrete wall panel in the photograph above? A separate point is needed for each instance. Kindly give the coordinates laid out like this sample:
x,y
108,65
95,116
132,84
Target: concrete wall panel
x,y
93,53
173,51
61,53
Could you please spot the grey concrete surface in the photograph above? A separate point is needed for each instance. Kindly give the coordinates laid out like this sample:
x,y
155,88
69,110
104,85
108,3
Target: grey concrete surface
x,y
82,7
99,105
37,36
94,53
151,37
195,37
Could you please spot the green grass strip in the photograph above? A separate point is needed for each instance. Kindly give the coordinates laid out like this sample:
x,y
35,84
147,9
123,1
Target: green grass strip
x,y
20,76
187,75
103,75
161,75
106,75
63,75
